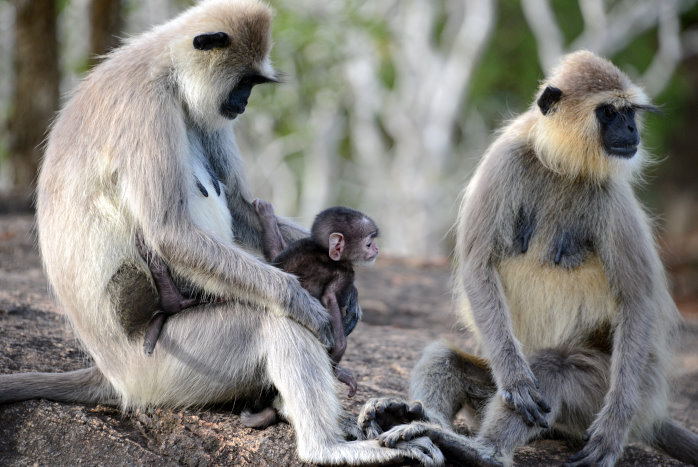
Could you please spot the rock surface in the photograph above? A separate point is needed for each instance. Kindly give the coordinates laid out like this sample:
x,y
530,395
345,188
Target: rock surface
x,y
406,305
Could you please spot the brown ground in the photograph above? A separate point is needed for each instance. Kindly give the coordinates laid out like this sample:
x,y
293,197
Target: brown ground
x,y
406,305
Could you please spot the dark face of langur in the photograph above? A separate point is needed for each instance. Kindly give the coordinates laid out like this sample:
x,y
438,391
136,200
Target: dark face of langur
x,y
236,101
618,130
619,135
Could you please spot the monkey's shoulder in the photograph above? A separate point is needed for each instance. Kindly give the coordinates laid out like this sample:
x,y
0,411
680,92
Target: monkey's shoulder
x,y
313,265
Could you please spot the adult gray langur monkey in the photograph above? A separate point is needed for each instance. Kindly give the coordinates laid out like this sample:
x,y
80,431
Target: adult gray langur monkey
x,y
145,144
560,281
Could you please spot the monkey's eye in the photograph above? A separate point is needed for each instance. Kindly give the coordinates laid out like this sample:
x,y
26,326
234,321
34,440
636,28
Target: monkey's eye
x,y
606,113
211,40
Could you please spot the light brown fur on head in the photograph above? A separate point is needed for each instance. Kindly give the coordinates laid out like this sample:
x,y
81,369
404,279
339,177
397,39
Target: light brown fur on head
x,y
200,72
567,139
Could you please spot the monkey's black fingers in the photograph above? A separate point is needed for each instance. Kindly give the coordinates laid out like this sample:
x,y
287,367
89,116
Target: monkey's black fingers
x,y
601,450
525,400
541,406
528,418
416,411
397,409
574,458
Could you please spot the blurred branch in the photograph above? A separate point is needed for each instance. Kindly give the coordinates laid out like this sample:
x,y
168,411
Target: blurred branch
x,y
608,32
667,58
541,19
689,39
418,114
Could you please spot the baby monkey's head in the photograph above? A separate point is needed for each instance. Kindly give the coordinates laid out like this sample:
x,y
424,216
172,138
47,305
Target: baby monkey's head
x,y
348,234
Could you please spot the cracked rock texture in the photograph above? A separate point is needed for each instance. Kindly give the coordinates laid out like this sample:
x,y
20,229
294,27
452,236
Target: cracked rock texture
x,y
406,305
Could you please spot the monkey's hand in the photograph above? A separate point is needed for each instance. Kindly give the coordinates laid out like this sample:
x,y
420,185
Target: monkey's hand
x,y
264,210
601,448
309,312
522,397
382,413
459,449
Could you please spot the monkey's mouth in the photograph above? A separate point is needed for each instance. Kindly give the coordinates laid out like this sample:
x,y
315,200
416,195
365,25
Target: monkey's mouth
x,y
230,112
232,107
626,151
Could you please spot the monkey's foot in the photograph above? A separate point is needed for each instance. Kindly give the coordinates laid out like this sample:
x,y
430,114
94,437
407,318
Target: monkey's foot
x,y
458,449
264,209
259,420
383,413
599,450
347,378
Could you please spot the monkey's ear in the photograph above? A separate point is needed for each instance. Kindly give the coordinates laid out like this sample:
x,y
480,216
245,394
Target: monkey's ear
x,y
336,245
549,97
211,40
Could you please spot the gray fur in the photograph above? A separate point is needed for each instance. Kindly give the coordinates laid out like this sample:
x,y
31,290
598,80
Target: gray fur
x,y
559,278
86,386
124,155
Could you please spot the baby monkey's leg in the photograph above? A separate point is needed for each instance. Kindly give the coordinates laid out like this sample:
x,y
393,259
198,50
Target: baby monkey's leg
x,y
170,298
345,377
329,300
272,241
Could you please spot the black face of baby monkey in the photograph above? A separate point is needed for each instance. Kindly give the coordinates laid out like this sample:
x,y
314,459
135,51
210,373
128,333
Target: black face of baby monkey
x,y
618,130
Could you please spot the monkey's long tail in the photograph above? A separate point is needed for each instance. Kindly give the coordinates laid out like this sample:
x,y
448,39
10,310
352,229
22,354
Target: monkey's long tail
x,y
86,386
677,441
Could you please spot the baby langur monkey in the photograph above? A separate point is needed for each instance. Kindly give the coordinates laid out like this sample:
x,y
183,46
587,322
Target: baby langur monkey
x,y
324,263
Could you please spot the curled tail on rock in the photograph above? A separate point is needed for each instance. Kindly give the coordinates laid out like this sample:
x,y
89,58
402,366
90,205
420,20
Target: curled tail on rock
x,y
87,386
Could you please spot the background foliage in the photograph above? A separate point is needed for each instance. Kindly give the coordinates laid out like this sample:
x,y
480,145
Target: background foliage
x,y
387,105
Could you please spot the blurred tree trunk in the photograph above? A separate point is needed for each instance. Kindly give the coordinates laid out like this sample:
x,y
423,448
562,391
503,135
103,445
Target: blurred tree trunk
x,y
106,22
35,86
678,197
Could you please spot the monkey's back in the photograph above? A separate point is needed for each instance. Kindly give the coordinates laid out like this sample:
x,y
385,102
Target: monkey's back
x,y
314,268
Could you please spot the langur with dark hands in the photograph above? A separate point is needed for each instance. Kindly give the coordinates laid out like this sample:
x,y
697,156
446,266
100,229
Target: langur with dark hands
x,y
145,144
560,281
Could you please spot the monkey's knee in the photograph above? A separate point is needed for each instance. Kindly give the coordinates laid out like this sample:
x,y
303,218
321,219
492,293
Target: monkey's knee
x,y
573,382
446,379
